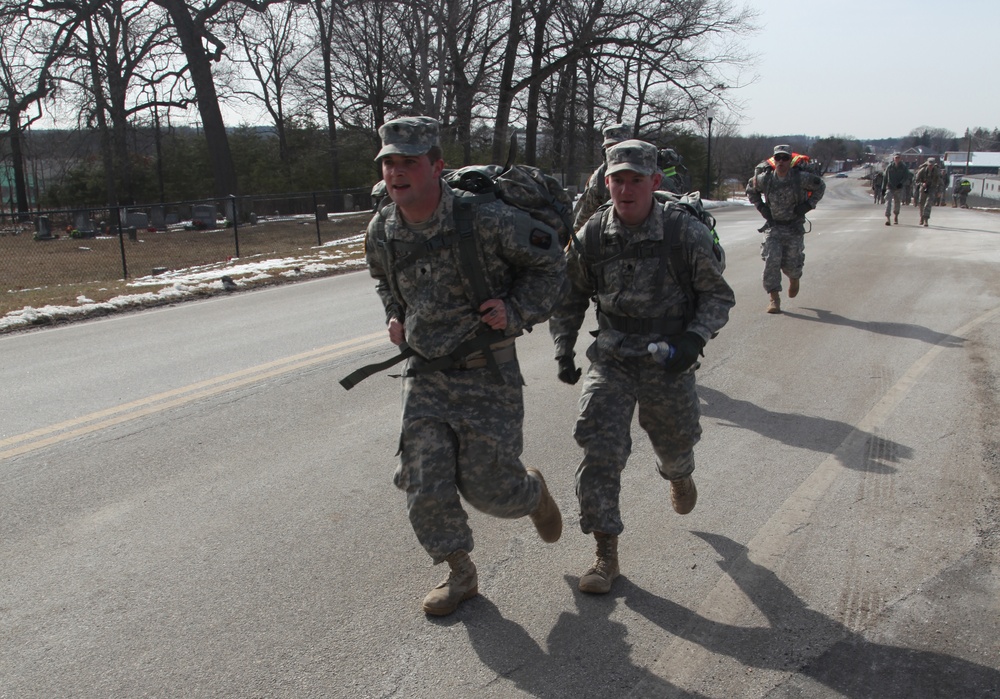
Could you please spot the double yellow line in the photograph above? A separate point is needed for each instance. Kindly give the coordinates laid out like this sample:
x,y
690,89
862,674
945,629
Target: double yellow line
x,y
85,424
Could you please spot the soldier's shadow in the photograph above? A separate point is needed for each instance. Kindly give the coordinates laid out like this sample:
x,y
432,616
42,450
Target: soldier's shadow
x,y
802,431
908,331
800,640
586,654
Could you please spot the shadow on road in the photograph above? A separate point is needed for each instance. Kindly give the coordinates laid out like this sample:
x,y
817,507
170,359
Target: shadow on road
x,y
905,330
803,431
802,641
586,653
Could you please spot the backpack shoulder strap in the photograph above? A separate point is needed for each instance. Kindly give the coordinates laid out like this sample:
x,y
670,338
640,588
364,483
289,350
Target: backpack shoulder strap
x,y
674,259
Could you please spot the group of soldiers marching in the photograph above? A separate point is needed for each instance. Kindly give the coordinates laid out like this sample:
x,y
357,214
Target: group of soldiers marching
x,y
925,188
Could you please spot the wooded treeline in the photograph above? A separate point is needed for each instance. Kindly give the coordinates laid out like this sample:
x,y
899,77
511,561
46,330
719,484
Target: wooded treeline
x,y
325,73
129,78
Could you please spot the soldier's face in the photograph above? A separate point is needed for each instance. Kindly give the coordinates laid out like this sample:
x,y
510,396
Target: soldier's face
x,y
782,163
412,181
632,195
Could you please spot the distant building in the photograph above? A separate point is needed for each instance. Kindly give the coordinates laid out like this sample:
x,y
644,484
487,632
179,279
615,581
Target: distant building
x,y
975,163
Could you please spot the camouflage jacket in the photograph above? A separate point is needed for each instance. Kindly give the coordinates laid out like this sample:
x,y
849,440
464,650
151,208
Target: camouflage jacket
x,y
595,194
896,177
783,194
628,287
519,256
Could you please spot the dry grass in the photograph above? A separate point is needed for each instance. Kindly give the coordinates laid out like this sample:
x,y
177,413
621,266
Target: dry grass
x,y
57,272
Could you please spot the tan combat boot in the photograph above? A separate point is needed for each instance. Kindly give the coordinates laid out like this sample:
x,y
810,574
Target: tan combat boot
x,y
683,495
793,288
546,517
462,584
775,305
598,578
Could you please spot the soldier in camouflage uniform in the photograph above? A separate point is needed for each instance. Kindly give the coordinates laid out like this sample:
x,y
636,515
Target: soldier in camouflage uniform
x,y
596,192
462,411
930,179
894,185
640,301
675,175
783,196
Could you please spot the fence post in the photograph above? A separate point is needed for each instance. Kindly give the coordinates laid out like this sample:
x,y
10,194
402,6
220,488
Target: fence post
x,y
319,240
121,240
236,225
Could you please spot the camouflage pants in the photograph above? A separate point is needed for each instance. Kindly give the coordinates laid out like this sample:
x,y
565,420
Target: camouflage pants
x,y
926,204
893,200
668,413
783,250
461,435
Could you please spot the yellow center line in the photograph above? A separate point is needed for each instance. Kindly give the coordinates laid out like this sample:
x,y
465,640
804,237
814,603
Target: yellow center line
x,y
109,417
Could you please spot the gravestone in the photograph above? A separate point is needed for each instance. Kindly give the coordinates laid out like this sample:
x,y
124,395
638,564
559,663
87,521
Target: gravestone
x,y
321,214
205,214
43,229
348,202
158,218
137,219
84,224
172,219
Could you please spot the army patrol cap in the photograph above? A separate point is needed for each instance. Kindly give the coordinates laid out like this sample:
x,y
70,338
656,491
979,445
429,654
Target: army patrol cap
x,y
616,133
786,149
637,156
408,136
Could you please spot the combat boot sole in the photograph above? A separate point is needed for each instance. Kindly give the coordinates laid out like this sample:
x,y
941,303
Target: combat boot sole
x,y
546,517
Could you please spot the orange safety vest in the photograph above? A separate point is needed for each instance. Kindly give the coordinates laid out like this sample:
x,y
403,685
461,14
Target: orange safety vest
x,y
797,160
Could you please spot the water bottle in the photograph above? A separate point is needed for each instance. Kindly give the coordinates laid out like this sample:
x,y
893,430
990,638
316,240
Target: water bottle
x,y
662,352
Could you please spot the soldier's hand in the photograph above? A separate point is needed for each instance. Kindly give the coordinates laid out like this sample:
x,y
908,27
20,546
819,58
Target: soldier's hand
x,y
686,351
494,313
802,209
765,211
569,372
397,331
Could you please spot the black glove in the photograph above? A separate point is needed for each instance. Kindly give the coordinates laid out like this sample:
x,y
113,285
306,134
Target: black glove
x,y
569,372
686,351
765,211
802,209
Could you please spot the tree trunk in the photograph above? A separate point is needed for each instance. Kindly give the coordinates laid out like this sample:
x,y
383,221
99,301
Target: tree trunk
x,y
506,89
200,69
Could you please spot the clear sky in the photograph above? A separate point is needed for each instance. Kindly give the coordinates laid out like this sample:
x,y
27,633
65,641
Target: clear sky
x,y
873,69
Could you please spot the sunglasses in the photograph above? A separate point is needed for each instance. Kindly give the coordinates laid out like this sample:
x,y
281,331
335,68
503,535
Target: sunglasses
x,y
782,156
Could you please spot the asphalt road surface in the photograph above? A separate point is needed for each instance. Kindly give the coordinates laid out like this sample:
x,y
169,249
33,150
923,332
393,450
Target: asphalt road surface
x,y
191,506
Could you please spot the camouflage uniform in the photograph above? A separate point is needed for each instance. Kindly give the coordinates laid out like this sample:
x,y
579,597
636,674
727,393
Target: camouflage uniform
x,y
596,191
929,179
675,177
462,426
896,178
783,248
622,373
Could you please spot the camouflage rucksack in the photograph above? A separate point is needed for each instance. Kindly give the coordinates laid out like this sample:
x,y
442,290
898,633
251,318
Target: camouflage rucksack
x,y
521,186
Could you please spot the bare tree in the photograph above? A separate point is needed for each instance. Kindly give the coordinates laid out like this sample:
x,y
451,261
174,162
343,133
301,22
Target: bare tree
x,y
272,49
30,50
192,22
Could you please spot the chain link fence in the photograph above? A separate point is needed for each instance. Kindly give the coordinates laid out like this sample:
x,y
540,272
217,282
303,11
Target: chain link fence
x,y
84,245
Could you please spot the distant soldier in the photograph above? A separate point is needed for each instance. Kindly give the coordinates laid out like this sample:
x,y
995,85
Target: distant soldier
x,y
877,192
784,196
675,175
894,183
596,192
929,179
961,192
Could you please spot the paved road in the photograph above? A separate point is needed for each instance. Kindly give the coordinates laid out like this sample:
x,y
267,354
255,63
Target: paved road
x,y
191,506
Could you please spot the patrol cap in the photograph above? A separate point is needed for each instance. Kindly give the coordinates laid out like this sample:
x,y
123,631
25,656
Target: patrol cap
x,y
783,148
408,136
637,156
616,133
